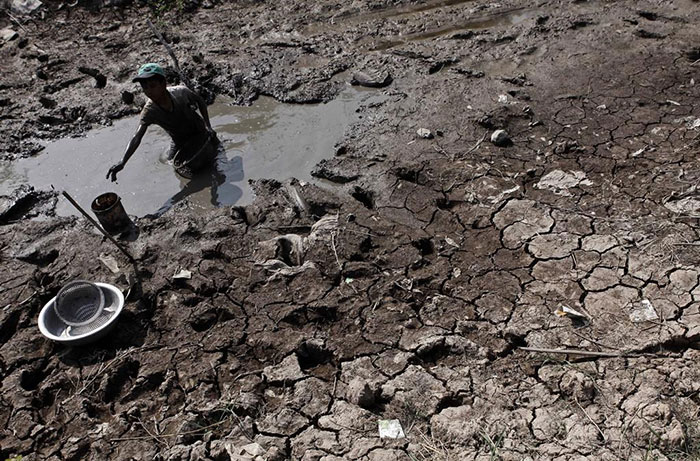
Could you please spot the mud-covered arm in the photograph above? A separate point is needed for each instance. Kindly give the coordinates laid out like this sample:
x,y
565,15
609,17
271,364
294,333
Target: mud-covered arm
x,y
130,149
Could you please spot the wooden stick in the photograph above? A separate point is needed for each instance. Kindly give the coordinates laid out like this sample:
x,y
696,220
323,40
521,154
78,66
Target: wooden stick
x,y
578,352
183,77
476,146
605,439
94,223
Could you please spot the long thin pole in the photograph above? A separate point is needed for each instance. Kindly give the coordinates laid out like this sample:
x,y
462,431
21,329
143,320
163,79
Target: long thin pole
x,y
94,223
582,353
172,55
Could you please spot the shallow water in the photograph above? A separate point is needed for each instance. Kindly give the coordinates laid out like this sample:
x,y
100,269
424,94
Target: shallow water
x,y
266,140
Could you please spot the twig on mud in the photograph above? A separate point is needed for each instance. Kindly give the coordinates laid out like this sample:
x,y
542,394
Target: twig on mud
x,y
335,251
439,149
105,366
476,146
605,439
26,300
16,21
578,352
101,369
149,437
430,444
248,373
626,427
153,436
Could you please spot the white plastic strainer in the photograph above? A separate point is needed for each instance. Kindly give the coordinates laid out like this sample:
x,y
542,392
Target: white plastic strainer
x,y
79,302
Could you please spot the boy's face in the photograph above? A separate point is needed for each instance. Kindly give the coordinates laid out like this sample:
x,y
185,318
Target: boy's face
x,y
153,88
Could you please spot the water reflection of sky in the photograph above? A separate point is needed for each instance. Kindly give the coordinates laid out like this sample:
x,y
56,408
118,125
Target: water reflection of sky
x,y
266,140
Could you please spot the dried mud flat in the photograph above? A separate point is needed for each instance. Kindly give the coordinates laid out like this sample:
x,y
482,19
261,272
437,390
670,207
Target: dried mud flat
x,y
408,290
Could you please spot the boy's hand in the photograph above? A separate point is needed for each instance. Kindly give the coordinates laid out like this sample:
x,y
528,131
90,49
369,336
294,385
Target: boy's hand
x,y
116,168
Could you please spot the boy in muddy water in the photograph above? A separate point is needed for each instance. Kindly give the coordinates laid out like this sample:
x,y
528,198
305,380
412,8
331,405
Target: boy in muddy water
x,y
193,141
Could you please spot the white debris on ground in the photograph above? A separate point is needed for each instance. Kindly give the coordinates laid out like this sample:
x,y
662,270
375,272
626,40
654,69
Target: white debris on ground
x,y
424,133
110,263
390,429
183,274
24,6
692,123
559,182
643,312
566,311
688,205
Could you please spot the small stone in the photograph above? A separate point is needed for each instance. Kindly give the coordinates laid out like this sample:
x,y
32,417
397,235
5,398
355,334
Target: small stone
x,y
500,138
424,133
41,74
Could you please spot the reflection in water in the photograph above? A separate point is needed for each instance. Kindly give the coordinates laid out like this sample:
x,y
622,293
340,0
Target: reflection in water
x,y
267,140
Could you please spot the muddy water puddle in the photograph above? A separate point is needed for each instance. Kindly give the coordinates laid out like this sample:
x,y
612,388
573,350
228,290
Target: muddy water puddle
x,y
266,140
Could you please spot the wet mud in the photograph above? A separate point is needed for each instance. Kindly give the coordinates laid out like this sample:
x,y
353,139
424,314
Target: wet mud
x,y
266,140
428,274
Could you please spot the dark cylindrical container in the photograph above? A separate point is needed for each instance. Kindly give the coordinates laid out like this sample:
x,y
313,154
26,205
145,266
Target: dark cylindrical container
x,y
110,212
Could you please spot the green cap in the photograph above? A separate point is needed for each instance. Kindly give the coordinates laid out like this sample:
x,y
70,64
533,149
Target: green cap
x,y
149,70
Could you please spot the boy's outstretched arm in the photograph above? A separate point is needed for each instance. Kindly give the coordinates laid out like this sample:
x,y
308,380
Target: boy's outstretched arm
x,y
130,149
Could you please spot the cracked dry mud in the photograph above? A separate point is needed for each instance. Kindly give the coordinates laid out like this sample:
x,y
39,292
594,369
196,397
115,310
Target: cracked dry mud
x,y
407,290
